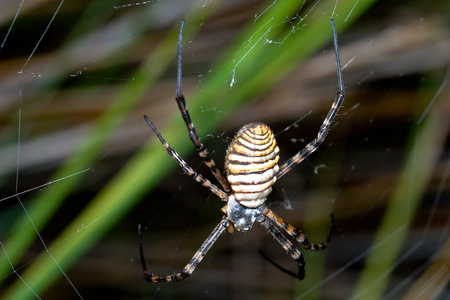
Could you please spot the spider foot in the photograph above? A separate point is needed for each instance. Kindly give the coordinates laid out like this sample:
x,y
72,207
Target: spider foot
x,y
300,275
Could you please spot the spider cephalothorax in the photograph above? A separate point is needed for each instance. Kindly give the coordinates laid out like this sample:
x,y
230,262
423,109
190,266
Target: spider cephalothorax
x,y
251,168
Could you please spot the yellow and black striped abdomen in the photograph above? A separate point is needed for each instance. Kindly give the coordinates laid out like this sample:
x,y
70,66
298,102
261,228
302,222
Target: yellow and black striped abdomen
x,y
252,163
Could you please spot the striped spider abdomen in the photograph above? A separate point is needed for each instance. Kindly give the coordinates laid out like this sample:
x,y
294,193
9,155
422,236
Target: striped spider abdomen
x,y
251,164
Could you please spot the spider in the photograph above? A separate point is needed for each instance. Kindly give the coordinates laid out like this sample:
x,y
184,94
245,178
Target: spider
x,y
251,168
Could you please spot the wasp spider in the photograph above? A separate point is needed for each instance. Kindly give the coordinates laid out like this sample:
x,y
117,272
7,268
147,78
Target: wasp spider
x,y
251,166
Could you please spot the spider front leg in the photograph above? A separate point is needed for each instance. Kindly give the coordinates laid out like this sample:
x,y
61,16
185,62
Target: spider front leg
x,y
297,234
190,267
287,245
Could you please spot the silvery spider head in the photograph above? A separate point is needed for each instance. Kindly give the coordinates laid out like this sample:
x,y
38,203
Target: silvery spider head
x,y
242,217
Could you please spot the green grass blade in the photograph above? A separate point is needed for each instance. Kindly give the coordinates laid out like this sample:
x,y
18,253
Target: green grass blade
x,y
423,150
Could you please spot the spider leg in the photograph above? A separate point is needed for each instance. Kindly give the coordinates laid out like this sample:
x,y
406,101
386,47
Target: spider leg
x,y
199,147
287,245
279,267
186,168
297,234
190,267
325,127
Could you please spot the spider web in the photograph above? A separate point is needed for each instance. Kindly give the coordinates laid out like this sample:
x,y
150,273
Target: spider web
x,y
76,157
